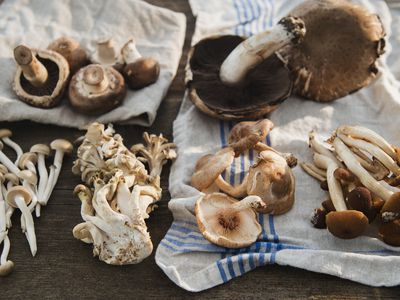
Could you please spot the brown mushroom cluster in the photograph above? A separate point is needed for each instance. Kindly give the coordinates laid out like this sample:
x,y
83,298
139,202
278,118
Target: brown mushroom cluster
x,y
119,194
268,187
26,184
323,50
357,166
95,83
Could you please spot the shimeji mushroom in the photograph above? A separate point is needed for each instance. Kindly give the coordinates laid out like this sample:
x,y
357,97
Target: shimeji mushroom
x,y
339,52
41,76
12,180
71,51
5,136
20,197
106,55
6,266
7,162
96,89
29,182
139,71
234,78
226,222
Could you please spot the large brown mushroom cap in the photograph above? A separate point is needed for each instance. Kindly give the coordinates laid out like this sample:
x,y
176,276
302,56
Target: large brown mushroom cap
x,y
338,54
48,95
265,86
347,224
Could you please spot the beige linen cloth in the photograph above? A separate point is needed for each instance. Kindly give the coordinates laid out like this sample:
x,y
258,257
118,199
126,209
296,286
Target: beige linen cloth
x,y
159,33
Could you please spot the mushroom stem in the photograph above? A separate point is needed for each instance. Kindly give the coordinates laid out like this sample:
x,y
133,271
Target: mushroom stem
x,y
129,52
7,162
12,145
252,201
257,48
32,68
313,171
43,178
354,166
335,189
95,79
49,187
30,227
106,51
234,191
318,147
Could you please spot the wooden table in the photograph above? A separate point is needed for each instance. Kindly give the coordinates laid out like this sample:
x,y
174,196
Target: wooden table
x,y
65,269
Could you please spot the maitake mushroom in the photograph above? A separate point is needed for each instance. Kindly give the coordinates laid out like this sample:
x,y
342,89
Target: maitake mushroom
x,y
356,189
123,193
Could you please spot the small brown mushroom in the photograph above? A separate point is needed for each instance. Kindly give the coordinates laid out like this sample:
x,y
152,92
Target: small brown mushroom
x,y
391,209
346,224
339,52
41,76
390,233
318,218
227,222
96,89
106,55
71,51
360,199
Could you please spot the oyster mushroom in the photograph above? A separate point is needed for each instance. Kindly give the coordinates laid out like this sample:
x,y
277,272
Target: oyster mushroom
x,y
5,136
41,76
139,71
227,222
71,51
96,89
235,78
339,52
272,179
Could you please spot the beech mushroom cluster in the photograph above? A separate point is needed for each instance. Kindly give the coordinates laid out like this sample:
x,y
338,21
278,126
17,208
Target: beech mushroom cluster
x,y
96,83
356,166
323,50
268,187
25,185
120,192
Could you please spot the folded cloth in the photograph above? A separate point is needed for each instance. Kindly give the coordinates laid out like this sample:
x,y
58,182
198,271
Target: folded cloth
x,y
159,33
195,264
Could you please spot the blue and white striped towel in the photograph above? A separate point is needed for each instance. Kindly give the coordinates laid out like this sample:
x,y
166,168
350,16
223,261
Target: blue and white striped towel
x,y
195,264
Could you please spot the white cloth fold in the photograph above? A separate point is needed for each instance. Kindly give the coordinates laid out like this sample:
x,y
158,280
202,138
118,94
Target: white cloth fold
x,y
159,33
195,264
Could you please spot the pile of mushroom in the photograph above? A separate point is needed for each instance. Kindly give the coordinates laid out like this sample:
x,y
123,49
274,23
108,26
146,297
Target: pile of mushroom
x,y
43,74
268,187
25,184
119,193
357,166
324,49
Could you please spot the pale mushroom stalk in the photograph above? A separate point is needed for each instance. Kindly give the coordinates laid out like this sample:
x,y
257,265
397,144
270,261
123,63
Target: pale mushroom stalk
x,y
257,48
364,160
7,162
318,147
47,191
32,68
106,51
313,171
129,52
10,210
6,266
335,188
354,166
364,133
5,135
375,151
3,223
43,177
31,205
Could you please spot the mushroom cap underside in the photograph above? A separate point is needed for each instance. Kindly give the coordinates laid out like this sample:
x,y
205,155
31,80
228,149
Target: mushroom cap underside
x,y
265,86
338,54
48,95
223,226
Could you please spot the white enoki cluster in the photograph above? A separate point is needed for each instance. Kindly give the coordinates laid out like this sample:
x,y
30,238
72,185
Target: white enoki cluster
x,y
355,157
122,192
26,185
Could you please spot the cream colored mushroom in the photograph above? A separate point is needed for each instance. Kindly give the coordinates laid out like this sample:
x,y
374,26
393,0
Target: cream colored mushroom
x,y
5,136
41,151
227,222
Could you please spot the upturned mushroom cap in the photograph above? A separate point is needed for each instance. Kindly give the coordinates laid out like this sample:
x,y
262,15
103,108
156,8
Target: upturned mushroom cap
x,y
5,133
141,73
62,145
390,233
264,88
96,89
210,166
347,224
272,180
27,156
49,94
40,149
245,135
224,226
6,268
29,176
18,191
338,54
71,51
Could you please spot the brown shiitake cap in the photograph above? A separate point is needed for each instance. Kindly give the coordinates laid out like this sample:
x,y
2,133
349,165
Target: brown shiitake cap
x,y
96,89
49,94
347,224
245,135
62,145
391,209
338,54
71,50
222,225
29,176
27,156
210,166
40,149
360,199
390,233
5,133
264,88
141,73
18,191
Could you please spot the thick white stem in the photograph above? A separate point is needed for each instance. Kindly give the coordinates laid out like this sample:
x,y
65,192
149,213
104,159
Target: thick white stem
x,y
31,205
49,186
6,250
129,52
313,171
15,147
30,227
9,164
3,223
318,147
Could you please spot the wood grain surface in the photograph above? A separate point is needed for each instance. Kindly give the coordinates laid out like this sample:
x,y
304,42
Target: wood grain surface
x,y
65,269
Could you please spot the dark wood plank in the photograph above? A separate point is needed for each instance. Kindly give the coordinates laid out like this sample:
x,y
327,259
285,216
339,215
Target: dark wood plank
x,y
65,269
